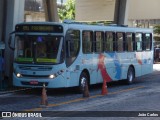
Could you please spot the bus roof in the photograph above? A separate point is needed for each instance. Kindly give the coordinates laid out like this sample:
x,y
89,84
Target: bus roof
x,y
83,26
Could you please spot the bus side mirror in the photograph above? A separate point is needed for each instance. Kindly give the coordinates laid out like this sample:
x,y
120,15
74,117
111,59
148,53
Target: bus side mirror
x,y
11,43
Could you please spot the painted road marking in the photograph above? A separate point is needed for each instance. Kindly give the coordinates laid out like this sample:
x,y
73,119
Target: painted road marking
x,y
126,90
81,99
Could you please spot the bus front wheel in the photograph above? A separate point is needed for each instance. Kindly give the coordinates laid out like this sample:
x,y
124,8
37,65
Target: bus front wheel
x,y
130,75
82,82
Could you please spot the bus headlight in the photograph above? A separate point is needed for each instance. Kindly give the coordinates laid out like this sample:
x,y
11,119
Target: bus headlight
x,y
18,75
52,76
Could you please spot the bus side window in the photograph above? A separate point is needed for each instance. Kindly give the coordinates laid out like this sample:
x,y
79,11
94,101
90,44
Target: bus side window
x,y
109,42
138,41
87,41
99,38
129,42
72,45
148,41
120,41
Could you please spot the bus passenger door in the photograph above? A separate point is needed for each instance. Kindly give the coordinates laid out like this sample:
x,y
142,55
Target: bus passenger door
x,y
72,56
89,60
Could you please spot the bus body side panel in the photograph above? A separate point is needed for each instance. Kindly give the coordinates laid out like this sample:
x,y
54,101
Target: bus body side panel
x,y
73,72
131,61
147,62
89,62
124,65
138,64
83,62
113,65
117,65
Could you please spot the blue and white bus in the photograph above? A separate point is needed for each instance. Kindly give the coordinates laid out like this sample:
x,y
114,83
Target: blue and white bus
x,y
69,54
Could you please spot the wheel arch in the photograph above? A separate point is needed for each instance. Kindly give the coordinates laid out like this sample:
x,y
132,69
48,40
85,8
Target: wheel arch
x,y
130,75
87,73
132,66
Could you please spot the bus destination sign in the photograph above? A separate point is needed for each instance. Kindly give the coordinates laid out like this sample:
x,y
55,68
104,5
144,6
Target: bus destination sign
x,y
39,28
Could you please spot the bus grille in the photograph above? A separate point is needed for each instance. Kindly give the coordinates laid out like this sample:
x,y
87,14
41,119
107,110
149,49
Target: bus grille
x,y
36,68
36,76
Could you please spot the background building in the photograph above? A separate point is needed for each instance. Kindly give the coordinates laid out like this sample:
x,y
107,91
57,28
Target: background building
x,y
144,13
34,10
141,13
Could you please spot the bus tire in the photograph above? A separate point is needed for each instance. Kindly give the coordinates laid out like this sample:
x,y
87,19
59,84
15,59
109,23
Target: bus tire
x,y
82,82
130,75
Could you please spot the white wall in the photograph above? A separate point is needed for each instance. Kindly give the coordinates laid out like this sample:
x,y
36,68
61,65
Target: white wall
x,y
94,10
144,9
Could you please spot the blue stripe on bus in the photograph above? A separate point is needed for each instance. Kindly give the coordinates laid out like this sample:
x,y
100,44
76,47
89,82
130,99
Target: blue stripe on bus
x,y
117,64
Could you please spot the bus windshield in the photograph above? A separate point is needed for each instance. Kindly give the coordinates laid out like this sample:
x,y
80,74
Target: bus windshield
x,y
38,49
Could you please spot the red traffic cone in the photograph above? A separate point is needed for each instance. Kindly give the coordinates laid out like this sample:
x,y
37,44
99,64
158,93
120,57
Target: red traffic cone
x,y
44,101
86,91
104,88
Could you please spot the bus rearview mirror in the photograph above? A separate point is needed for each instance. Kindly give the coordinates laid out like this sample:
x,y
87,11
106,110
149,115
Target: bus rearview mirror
x,y
11,43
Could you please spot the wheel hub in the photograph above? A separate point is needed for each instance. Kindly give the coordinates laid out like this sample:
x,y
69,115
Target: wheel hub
x,y
83,81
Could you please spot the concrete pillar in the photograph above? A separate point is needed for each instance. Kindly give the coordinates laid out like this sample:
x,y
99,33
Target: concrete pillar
x,y
51,12
14,14
1,18
121,12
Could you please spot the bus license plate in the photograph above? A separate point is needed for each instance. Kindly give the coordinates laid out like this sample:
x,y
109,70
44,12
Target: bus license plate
x,y
33,82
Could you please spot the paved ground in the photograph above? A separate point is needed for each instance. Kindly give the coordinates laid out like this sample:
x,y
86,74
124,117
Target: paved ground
x,y
143,95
